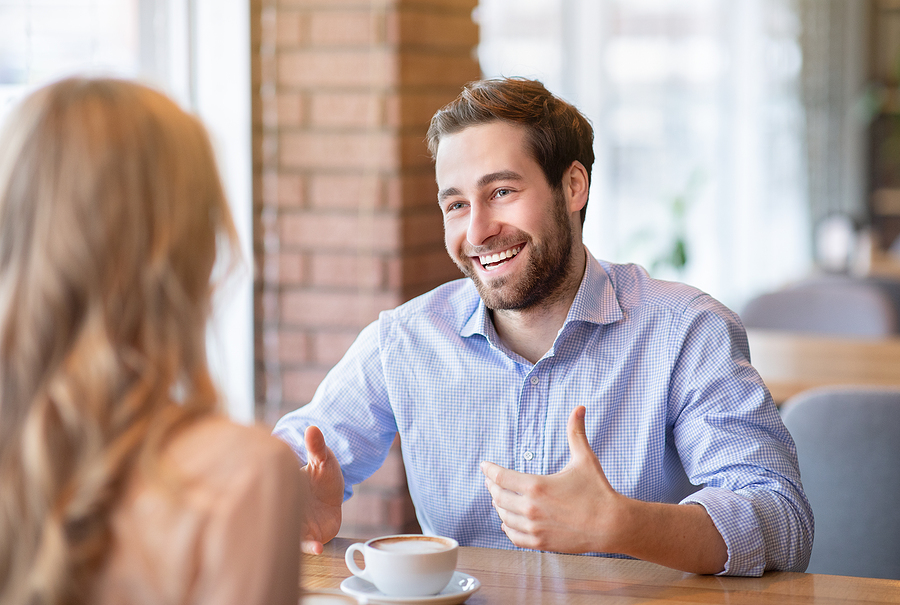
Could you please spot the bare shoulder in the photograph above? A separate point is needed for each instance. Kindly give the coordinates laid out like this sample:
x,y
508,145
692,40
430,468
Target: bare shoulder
x,y
216,448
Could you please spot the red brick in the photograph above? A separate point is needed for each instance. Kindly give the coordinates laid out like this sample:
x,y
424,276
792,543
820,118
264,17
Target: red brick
x,y
268,306
414,152
423,228
268,267
416,109
268,149
353,110
461,6
282,189
290,109
299,385
336,150
400,512
393,267
292,347
346,190
329,347
318,309
346,270
465,6
291,29
432,29
413,189
268,111
341,232
391,475
363,509
436,69
291,268
427,270
352,68
268,26
346,27
268,66
326,4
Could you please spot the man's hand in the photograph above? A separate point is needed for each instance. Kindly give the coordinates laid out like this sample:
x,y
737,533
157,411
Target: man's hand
x,y
326,493
574,510
577,510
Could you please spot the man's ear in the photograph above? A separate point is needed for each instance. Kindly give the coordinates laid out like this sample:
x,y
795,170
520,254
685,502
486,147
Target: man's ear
x,y
575,186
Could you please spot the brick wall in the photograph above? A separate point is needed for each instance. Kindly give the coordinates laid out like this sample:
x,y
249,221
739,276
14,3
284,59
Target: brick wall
x,y
346,218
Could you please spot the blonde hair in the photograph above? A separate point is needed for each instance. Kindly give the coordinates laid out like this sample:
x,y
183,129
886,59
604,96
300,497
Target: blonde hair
x,y
110,213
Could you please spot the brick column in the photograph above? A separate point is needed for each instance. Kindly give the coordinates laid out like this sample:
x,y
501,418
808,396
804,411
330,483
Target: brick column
x,y
346,213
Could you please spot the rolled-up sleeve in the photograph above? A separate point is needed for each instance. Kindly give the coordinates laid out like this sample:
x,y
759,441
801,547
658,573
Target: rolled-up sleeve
x,y
732,441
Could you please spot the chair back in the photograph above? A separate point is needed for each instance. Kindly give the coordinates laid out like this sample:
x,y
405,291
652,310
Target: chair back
x,y
848,445
891,287
835,307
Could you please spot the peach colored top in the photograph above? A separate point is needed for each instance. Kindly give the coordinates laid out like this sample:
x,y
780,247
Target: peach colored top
x,y
229,535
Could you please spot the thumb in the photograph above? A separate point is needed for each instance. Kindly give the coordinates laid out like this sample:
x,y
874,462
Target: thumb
x,y
579,448
316,450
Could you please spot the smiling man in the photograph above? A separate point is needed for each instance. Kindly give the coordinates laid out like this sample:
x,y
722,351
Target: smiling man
x,y
550,400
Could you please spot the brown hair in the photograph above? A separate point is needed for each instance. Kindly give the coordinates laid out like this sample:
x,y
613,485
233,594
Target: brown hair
x,y
110,211
558,133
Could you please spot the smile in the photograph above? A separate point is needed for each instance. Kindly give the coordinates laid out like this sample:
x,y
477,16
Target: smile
x,y
492,261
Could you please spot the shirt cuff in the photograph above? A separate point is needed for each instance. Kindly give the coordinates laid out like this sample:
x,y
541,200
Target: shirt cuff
x,y
735,518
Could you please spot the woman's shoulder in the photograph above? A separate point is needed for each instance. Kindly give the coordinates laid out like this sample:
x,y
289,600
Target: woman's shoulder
x,y
220,493
217,450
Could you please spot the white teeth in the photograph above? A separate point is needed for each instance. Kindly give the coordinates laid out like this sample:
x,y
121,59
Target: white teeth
x,y
499,256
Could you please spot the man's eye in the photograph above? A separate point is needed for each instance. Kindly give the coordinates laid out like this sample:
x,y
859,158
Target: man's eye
x,y
454,206
502,192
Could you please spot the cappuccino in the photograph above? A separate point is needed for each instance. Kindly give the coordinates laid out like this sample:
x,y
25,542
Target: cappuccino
x,y
412,544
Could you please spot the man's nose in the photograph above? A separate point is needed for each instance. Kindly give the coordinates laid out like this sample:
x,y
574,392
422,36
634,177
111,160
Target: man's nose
x,y
483,225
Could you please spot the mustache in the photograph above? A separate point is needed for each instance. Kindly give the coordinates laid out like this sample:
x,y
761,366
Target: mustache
x,y
497,245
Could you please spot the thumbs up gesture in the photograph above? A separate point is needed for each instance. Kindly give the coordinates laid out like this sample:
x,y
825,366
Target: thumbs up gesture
x,y
575,510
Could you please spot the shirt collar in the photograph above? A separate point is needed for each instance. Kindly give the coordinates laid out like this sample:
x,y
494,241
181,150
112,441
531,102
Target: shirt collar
x,y
595,302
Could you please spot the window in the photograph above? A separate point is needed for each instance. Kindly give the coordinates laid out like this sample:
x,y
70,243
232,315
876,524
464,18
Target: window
x,y
198,51
44,39
699,128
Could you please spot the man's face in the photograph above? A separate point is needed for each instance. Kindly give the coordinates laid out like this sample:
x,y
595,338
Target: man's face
x,y
504,226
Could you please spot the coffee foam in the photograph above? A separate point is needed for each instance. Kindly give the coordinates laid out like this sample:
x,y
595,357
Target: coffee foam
x,y
424,544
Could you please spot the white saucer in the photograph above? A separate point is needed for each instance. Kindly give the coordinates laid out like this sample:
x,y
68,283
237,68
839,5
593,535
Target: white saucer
x,y
461,587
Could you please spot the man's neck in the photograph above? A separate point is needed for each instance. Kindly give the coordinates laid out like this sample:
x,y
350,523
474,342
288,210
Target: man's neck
x,y
531,332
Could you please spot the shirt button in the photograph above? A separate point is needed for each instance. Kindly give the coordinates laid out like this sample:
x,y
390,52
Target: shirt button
x,y
535,380
528,456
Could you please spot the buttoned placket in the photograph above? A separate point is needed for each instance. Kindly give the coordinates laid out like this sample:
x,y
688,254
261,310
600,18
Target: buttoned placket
x,y
532,412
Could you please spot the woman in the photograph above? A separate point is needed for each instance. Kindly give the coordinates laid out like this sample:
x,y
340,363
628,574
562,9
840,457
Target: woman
x,y
120,482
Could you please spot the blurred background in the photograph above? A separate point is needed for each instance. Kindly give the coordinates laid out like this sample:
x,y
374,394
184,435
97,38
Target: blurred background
x,y
742,145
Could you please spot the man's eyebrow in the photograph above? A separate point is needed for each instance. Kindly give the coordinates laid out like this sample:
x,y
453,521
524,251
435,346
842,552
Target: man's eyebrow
x,y
502,175
445,193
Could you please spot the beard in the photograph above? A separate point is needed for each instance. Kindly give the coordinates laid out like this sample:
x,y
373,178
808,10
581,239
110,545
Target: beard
x,y
542,280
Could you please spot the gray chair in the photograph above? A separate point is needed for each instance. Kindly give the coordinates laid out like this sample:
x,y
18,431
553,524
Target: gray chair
x,y
839,307
891,287
848,444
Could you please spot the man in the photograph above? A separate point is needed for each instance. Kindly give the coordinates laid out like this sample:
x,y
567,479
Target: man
x,y
552,401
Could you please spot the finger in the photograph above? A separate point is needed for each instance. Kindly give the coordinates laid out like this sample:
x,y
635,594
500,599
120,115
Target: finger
x,y
503,499
579,447
311,547
519,538
505,478
316,450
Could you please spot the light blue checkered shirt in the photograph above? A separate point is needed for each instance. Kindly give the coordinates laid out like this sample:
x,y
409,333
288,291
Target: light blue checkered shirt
x,y
662,368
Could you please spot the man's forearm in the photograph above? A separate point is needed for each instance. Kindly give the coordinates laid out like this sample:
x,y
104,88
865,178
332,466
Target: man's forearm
x,y
681,536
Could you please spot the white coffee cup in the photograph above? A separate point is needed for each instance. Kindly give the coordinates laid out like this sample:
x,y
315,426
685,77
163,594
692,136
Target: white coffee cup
x,y
406,565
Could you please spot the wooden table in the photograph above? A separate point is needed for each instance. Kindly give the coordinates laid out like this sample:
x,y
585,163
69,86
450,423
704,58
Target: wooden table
x,y
512,577
792,362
